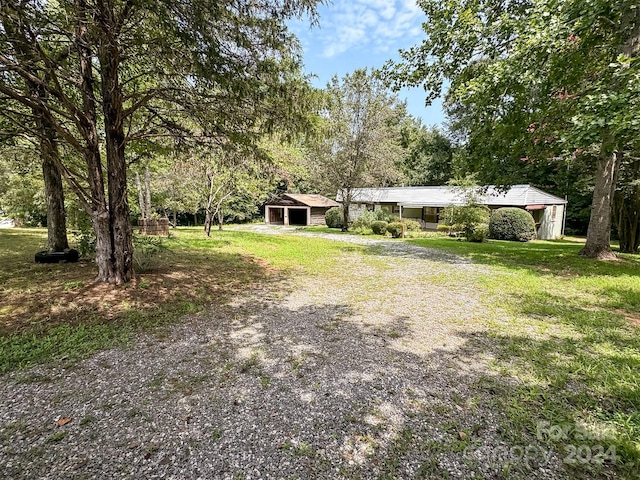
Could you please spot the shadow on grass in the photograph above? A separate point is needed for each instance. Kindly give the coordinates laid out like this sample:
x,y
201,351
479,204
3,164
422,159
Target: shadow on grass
x,y
583,374
57,311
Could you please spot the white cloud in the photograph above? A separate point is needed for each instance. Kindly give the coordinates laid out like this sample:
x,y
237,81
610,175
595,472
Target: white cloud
x,y
367,24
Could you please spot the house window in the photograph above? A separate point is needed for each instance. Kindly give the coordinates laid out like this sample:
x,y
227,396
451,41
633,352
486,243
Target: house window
x,y
430,214
553,212
370,207
396,209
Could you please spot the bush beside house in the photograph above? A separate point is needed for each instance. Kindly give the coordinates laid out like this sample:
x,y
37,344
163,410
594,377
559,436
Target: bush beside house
x,y
379,227
334,217
395,229
513,224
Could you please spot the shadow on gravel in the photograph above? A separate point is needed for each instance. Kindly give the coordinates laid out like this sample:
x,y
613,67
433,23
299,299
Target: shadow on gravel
x,y
259,390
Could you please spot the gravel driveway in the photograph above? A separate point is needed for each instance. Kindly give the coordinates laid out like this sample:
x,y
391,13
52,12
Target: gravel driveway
x,y
376,372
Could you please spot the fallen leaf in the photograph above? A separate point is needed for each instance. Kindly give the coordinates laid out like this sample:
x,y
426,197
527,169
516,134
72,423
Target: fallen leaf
x,y
463,435
63,421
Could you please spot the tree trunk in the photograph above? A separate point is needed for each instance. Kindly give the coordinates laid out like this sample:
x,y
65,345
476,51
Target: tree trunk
x,y
98,209
599,231
220,218
207,223
147,189
54,192
208,214
112,104
56,219
175,218
141,203
346,204
627,214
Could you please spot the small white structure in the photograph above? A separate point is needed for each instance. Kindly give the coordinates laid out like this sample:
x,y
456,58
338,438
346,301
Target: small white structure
x,y
424,204
7,223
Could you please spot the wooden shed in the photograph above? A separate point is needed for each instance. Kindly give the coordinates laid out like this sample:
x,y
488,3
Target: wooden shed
x,y
298,209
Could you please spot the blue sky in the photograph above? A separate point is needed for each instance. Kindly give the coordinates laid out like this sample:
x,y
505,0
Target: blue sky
x,y
365,33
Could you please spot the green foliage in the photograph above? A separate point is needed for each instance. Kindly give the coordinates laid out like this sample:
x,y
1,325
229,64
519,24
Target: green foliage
x,y
146,249
465,218
513,224
626,205
395,229
84,236
479,234
429,158
451,230
334,217
379,227
412,225
367,218
21,186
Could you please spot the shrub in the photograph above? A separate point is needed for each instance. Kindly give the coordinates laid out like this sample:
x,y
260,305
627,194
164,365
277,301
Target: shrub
x,y
361,231
383,216
466,218
365,219
395,229
85,237
412,225
511,223
379,227
334,217
479,234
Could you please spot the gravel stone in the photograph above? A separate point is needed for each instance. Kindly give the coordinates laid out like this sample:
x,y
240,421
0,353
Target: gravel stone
x,y
372,373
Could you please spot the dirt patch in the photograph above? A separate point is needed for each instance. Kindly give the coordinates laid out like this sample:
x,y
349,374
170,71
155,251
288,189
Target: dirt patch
x,y
68,293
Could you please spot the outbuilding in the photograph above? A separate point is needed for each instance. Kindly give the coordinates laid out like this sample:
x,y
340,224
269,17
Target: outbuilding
x,y
298,209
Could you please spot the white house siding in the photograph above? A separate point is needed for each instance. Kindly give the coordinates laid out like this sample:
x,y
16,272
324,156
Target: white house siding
x,y
551,222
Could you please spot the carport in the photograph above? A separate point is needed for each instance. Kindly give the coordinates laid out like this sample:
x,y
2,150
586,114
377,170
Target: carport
x,y
297,209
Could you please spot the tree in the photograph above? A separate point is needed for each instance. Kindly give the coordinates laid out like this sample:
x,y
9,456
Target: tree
x,y
547,75
429,159
116,72
361,142
34,137
626,203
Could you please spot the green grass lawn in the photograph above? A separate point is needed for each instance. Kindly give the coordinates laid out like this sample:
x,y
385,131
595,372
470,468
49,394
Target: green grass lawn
x,y
568,329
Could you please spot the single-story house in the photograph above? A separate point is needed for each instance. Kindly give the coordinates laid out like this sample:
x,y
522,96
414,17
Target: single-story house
x,y
425,204
298,209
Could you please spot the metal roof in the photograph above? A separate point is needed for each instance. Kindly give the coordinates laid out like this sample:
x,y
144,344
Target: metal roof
x,y
517,196
311,200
